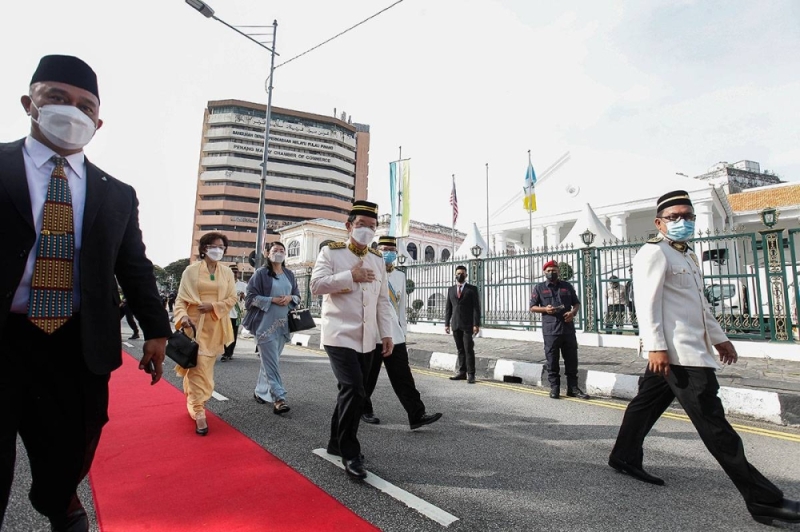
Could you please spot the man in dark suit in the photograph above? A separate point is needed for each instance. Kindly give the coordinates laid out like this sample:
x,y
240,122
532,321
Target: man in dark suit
x,y
464,311
71,232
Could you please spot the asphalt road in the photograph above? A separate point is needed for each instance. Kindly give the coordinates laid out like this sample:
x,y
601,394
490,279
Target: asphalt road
x,y
503,457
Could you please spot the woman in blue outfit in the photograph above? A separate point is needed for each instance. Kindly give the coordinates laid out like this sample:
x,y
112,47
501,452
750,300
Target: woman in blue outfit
x,y
271,293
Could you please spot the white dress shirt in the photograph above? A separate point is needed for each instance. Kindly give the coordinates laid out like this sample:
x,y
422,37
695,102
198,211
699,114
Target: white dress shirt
x,y
38,169
354,315
674,315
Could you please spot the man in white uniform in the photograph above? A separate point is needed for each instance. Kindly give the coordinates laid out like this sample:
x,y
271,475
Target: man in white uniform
x,y
397,363
678,332
356,316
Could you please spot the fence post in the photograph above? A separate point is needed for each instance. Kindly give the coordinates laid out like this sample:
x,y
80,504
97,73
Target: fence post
x,y
588,276
476,275
775,266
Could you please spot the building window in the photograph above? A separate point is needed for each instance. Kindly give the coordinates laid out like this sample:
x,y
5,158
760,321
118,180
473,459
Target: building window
x,y
430,254
411,248
445,255
294,249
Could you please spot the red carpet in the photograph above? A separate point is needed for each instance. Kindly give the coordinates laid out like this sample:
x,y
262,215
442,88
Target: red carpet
x,y
152,472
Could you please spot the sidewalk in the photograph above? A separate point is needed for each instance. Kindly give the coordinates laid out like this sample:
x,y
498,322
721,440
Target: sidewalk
x,y
761,388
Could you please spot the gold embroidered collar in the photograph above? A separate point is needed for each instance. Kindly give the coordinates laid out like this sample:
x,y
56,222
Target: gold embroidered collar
x,y
357,252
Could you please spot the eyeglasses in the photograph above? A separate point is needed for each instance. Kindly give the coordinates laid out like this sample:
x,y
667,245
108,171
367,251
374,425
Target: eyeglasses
x,y
676,217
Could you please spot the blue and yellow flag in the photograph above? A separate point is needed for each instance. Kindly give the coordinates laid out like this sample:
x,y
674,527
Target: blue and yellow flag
x,y
530,182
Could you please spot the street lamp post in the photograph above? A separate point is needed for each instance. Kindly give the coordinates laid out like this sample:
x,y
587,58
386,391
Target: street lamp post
x,y
208,12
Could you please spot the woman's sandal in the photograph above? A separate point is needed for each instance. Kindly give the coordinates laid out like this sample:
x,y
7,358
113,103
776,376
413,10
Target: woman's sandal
x,y
201,425
280,407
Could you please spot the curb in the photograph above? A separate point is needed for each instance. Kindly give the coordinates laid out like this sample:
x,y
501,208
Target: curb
x,y
772,407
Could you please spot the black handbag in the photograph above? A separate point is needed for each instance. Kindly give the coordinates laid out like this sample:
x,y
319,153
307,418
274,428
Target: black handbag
x,y
301,320
183,349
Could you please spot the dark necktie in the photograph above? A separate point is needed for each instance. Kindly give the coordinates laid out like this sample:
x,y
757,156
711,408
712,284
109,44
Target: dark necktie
x,y
459,291
50,304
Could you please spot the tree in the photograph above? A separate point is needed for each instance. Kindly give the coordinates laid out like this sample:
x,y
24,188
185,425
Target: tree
x,y
565,271
161,275
175,269
410,286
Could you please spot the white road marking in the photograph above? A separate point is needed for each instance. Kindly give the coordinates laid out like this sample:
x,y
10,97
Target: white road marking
x,y
412,501
126,344
218,397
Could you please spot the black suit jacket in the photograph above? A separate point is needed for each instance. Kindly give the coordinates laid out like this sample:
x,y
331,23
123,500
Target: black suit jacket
x,y
112,250
465,313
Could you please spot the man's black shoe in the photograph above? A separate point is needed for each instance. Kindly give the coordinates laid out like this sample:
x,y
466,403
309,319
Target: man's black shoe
x,y
786,510
426,419
135,336
258,399
471,378
555,392
634,471
371,419
459,377
336,452
76,521
355,468
574,391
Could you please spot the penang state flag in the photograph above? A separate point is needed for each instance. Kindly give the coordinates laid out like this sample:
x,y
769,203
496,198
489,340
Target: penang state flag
x,y
399,194
529,201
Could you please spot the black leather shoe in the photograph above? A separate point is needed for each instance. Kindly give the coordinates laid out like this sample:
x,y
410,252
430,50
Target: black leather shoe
x,y
426,419
336,452
224,358
355,468
76,521
574,391
459,377
555,392
636,472
786,510
471,378
371,419
135,336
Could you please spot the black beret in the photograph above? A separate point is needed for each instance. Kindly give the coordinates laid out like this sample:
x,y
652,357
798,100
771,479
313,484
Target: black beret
x,y
66,69
364,208
670,199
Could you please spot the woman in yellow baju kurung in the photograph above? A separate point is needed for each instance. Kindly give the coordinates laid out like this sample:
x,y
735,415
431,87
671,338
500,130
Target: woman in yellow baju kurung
x,y
206,295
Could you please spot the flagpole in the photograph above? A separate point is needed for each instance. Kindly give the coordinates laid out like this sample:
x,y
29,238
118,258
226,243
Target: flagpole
x,y
488,236
530,214
453,223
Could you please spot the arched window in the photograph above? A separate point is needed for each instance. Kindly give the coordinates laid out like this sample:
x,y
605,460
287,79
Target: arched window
x,y
430,254
445,255
411,248
294,249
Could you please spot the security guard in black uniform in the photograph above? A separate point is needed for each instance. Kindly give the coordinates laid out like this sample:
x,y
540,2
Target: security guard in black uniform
x,y
558,303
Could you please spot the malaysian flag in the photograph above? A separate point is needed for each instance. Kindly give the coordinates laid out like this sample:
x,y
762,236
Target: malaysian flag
x,y
454,201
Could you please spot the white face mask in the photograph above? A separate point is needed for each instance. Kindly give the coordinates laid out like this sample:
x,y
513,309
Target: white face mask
x,y
65,126
215,254
363,235
277,257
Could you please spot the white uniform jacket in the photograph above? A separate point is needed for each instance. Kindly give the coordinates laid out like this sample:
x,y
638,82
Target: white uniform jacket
x,y
673,313
354,315
399,300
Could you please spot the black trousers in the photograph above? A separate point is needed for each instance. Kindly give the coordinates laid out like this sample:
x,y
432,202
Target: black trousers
x,y
696,389
399,372
58,408
567,346
350,368
125,312
229,349
465,344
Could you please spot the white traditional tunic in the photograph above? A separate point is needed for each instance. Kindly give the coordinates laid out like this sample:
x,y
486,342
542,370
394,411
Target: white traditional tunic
x,y
673,313
399,300
354,315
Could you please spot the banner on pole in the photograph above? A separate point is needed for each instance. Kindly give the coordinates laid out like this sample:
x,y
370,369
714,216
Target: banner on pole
x,y
399,196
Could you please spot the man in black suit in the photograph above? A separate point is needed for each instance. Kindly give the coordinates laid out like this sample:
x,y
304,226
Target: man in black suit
x,y
71,232
464,310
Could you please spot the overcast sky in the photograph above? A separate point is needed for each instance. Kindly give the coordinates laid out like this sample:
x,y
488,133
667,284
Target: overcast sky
x,y
458,83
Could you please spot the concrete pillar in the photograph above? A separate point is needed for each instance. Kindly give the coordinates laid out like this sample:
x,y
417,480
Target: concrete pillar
x,y
538,237
499,242
705,218
553,236
619,225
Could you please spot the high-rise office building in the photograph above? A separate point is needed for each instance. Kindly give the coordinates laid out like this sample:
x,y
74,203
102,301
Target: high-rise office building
x,y
317,166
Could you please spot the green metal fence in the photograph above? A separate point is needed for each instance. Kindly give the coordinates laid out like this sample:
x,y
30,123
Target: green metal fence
x,y
752,284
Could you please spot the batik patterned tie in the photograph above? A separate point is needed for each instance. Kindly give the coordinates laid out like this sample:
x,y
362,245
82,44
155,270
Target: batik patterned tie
x,y
50,304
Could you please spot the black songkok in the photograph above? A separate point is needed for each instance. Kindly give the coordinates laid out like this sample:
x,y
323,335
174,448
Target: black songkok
x,y
364,208
387,240
66,69
670,199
